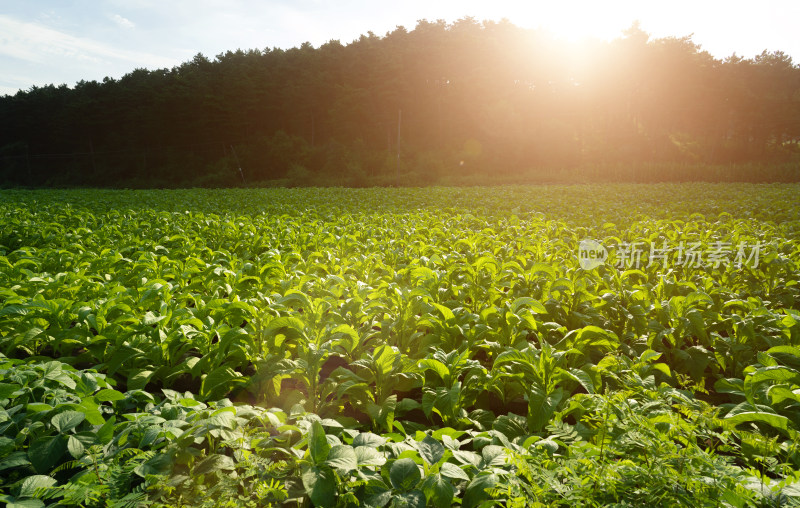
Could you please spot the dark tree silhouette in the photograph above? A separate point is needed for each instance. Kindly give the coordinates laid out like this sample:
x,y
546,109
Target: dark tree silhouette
x,y
471,101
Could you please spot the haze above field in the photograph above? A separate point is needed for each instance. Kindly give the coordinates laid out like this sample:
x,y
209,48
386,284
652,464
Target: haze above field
x,y
59,42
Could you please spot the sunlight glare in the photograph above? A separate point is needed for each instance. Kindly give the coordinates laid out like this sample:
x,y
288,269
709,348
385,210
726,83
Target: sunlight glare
x,y
573,22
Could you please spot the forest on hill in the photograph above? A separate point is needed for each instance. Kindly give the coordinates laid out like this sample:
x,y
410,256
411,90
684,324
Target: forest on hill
x,y
457,102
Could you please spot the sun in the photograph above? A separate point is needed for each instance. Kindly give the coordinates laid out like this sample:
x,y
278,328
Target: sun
x,y
574,21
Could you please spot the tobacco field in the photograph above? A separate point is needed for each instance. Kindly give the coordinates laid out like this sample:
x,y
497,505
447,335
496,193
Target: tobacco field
x,y
401,347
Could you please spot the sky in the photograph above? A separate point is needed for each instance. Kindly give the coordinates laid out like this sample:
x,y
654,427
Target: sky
x,y
64,41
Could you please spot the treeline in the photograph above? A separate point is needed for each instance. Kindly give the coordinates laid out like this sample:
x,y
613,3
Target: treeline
x,y
466,101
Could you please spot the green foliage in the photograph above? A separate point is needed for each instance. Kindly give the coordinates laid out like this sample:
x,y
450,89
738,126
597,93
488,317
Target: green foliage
x,y
400,347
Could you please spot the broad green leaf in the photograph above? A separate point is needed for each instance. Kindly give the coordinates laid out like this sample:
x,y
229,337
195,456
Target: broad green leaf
x,y
548,444
596,337
45,453
541,408
139,379
123,355
493,455
436,366
404,474
776,373
430,450
777,421
428,402
765,359
544,268
526,301
383,413
7,445
18,310
320,485
476,491
212,463
37,407
368,456
453,471
649,356
224,417
295,296
26,503
485,261
32,484
149,437
378,499
787,350
285,324
633,274
511,425
780,393
385,358
729,385
219,382
106,431
14,459
583,378
662,367
109,395
67,420
150,319
6,389
318,446
352,338
412,499
159,464
467,457
75,447
446,313
342,458
368,439
438,491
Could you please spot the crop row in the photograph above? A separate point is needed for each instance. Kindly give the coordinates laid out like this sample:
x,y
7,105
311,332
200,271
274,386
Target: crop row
x,y
467,342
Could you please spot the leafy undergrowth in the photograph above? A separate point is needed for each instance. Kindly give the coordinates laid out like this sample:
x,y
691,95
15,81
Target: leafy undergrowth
x,y
399,348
